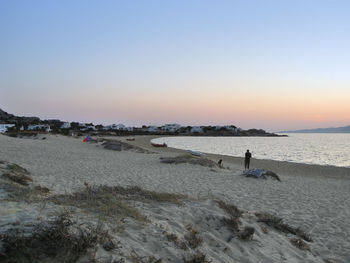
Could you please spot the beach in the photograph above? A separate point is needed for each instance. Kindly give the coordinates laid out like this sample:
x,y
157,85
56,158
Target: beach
x,y
316,198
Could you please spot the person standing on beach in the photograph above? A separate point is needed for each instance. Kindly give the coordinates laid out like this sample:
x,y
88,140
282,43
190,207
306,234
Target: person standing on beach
x,y
248,155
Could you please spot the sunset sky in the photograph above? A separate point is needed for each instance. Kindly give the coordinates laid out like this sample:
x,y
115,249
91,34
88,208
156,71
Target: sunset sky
x,y
274,65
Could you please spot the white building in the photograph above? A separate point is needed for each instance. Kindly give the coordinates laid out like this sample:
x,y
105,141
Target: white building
x,y
171,127
39,127
88,128
119,126
4,127
65,125
226,127
152,129
196,129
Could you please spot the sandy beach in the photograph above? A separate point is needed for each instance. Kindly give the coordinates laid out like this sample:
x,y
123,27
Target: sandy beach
x,y
316,198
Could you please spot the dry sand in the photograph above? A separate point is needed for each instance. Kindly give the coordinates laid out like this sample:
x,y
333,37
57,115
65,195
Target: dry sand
x,y
316,198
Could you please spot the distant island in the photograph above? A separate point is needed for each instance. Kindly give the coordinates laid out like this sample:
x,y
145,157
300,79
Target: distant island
x,y
14,125
345,129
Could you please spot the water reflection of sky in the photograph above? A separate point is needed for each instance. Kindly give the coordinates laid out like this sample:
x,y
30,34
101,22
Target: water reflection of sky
x,y
323,149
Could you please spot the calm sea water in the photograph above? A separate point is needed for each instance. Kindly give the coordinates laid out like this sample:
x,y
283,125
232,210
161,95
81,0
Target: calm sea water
x,y
314,148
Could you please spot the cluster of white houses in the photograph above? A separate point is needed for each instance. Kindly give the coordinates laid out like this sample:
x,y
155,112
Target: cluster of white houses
x,y
167,128
5,127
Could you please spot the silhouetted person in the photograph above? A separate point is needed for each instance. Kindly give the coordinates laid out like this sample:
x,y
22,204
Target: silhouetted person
x,y
248,155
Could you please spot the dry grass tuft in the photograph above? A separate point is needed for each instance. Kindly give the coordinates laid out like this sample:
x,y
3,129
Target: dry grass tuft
x,y
233,222
20,193
115,145
190,159
330,260
112,201
199,257
277,223
299,243
175,239
230,209
139,194
19,178
247,233
58,241
192,238
17,174
16,168
138,259
264,229
105,204
41,189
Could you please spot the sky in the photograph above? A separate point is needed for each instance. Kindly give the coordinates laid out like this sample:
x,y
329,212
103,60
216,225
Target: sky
x,y
275,65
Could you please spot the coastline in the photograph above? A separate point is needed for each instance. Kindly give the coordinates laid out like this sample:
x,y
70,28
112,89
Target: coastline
x,y
316,198
283,167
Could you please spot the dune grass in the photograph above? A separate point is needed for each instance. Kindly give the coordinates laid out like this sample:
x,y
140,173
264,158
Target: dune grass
x,y
60,240
113,201
278,224
176,240
233,222
16,174
104,204
191,159
192,237
299,243
116,145
147,259
138,194
198,257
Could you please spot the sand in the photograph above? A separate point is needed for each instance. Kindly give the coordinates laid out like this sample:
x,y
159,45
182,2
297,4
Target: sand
x,y
316,198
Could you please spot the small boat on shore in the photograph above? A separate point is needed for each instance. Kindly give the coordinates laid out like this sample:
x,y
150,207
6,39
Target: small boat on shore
x,y
130,139
159,144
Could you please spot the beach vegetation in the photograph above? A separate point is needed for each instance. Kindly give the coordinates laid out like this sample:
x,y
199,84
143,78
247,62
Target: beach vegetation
x,y
116,145
176,240
145,259
247,233
105,204
233,221
19,178
190,159
192,237
60,240
138,194
278,224
16,174
198,257
230,209
18,192
113,201
299,243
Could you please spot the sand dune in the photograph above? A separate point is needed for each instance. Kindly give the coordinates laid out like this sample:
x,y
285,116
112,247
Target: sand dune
x,y
314,197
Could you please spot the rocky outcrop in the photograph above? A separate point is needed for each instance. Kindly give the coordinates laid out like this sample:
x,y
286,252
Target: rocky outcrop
x,y
12,119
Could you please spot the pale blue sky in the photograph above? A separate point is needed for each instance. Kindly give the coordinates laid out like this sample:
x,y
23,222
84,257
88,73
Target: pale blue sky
x,y
191,62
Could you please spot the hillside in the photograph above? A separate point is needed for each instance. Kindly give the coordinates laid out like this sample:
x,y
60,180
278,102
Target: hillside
x,y
345,129
12,119
6,118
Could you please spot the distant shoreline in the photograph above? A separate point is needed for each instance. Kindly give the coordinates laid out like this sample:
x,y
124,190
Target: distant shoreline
x,y
282,167
217,152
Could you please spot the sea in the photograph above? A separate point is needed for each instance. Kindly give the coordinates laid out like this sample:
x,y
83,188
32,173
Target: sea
x,y
311,148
